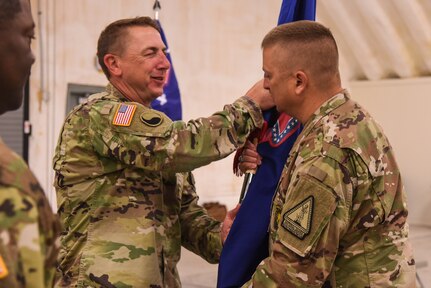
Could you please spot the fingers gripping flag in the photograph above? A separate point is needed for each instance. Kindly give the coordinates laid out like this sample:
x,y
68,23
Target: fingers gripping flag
x,y
247,243
170,102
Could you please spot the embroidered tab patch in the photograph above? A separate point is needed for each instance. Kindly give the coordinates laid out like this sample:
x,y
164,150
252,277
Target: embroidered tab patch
x,y
298,219
106,109
124,115
3,269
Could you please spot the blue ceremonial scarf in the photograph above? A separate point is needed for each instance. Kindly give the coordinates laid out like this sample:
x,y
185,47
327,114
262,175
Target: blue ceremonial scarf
x,y
247,243
170,102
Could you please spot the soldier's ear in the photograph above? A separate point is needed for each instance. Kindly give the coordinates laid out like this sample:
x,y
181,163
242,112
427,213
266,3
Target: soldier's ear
x,y
301,81
112,63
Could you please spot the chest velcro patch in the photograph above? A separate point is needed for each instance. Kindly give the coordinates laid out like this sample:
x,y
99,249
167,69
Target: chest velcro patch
x,y
298,219
124,115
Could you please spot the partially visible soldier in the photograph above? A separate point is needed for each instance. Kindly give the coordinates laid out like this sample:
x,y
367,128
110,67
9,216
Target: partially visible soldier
x,y
28,227
339,214
125,207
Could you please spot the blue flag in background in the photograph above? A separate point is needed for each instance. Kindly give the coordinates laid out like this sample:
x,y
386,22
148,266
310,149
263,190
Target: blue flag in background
x,y
295,10
247,243
170,102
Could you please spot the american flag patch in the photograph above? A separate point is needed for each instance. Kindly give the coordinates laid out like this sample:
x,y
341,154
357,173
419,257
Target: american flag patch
x,y
124,115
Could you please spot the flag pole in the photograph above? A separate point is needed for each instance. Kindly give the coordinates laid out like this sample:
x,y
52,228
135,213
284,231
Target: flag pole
x,y
247,178
170,101
156,9
245,185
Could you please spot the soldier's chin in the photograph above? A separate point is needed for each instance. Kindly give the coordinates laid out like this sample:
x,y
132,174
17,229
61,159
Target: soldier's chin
x,y
157,93
154,96
15,101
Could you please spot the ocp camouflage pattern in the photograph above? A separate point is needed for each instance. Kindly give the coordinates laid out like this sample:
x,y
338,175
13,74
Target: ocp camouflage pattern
x,y
28,227
125,196
339,214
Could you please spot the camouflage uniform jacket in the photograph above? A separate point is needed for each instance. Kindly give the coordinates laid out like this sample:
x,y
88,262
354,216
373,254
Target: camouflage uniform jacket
x,y
28,227
338,217
125,205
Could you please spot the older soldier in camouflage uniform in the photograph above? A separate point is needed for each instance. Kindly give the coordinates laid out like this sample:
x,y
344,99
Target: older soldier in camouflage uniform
x,y
125,208
338,217
28,227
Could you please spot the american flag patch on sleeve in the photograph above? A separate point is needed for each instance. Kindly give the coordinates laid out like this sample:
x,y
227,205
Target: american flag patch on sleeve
x,y
124,115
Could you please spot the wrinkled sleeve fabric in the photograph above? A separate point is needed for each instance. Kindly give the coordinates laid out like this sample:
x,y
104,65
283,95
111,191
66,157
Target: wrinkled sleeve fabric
x,y
20,240
313,218
173,146
200,233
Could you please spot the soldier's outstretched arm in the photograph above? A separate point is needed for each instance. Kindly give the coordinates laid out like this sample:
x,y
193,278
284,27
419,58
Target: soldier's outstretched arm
x,y
151,141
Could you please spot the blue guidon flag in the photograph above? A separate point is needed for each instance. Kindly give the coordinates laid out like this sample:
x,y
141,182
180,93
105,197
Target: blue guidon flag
x,y
247,243
170,102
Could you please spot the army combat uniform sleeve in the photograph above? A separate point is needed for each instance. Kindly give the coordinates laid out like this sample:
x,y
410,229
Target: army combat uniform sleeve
x,y
152,141
200,233
28,227
22,259
308,227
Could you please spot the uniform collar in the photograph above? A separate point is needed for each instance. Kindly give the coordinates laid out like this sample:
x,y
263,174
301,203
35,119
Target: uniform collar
x,y
324,109
115,93
328,106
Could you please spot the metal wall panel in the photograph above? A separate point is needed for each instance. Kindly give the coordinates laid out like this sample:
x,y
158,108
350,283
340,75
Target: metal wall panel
x,y
11,131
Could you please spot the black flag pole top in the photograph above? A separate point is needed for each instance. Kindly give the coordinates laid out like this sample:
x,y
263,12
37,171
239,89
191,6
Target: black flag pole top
x,y
156,8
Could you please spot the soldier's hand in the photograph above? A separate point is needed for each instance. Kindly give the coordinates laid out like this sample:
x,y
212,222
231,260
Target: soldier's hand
x,y
261,96
228,221
249,159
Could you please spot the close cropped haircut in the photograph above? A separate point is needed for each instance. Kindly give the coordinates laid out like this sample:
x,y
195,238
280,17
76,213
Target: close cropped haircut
x,y
8,10
112,38
309,42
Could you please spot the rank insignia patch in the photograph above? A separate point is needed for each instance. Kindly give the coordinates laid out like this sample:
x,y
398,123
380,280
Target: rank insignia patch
x,y
124,115
298,219
3,269
151,119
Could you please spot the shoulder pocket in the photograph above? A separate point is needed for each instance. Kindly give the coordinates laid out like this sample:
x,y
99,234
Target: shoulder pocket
x,y
308,209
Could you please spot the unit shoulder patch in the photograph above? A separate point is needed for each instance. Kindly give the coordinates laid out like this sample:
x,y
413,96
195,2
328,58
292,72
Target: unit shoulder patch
x,y
307,211
124,115
298,219
106,109
151,118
